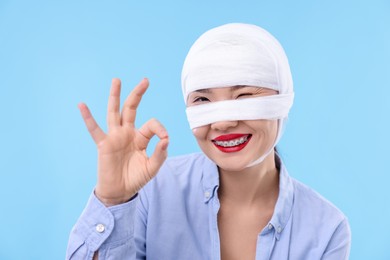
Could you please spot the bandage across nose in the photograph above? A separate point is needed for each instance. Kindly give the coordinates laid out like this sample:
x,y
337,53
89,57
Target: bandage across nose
x,y
265,107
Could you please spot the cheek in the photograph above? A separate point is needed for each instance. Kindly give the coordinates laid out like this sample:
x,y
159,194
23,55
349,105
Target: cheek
x,y
200,133
275,126
272,125
272,130
264,127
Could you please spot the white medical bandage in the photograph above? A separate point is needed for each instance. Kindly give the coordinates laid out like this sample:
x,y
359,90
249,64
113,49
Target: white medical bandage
x,y
266,107
238,54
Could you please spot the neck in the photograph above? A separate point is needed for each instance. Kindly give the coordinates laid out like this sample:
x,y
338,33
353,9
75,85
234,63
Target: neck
x,y
252,185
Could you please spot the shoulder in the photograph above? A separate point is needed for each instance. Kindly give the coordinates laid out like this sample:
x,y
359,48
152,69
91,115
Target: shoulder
x,y
312,209
179,180
189,166
317,219
308,199
184,162
181,170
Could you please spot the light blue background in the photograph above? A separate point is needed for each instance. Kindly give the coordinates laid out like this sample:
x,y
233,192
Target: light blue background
x,y
55,54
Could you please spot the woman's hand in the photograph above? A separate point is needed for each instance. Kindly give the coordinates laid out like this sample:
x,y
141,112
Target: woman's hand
x,y
123,165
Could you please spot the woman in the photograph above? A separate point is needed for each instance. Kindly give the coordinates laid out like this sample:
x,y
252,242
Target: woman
x,y
233,201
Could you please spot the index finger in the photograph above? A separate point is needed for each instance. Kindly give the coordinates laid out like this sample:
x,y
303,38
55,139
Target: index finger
x,y
93,128
130,106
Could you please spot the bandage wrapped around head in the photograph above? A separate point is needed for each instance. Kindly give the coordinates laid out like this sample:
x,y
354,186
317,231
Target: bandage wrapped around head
x,y
238,54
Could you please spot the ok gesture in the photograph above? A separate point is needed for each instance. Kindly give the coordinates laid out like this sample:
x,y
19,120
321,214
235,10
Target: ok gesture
x,y
123,165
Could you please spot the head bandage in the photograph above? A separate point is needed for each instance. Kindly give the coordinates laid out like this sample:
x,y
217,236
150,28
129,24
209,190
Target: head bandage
x,y
238,54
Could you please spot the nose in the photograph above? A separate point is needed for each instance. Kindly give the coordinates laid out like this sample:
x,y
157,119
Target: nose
x,y
223,125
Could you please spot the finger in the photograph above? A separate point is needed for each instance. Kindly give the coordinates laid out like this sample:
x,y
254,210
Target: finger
x,y
130,106
93,128
148,130
113,116
158,157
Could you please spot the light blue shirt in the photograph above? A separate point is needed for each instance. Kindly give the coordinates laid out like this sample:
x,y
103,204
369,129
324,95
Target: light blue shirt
x,y
175,217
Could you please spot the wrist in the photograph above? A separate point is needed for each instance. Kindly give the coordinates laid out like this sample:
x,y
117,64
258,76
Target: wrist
x,y
110,201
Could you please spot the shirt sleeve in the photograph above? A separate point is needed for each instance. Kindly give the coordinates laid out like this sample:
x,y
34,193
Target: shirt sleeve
x,y
107,229
340,243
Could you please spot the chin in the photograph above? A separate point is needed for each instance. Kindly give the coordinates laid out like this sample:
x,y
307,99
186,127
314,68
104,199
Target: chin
x,y
231,165
231,169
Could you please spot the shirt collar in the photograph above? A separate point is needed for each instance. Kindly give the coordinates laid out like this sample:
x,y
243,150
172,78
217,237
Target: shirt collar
x,y
284,203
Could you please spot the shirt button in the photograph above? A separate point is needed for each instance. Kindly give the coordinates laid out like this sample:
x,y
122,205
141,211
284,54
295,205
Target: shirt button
x,y
279,229
270,226
100,228
207,194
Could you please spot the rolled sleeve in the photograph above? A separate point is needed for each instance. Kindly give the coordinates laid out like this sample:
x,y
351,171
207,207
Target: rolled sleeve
x,y
102,228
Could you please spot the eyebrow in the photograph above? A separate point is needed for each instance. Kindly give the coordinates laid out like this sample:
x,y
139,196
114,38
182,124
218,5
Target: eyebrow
x,y
233,88
203,90
237,87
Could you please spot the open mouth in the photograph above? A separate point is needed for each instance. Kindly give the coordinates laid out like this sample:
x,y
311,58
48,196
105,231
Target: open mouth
x,y
231,142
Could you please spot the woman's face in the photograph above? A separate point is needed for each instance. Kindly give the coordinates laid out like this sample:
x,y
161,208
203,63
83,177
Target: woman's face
x,y
232,145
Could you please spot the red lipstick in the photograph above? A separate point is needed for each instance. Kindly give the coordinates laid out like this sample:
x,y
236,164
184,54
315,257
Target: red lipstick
x,y
229,137
231,142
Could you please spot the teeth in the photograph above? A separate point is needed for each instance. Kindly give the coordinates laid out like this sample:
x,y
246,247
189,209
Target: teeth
x,y
232,143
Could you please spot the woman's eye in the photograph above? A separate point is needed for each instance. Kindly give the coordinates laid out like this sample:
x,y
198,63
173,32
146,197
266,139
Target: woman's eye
x,y
200,99
244,95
